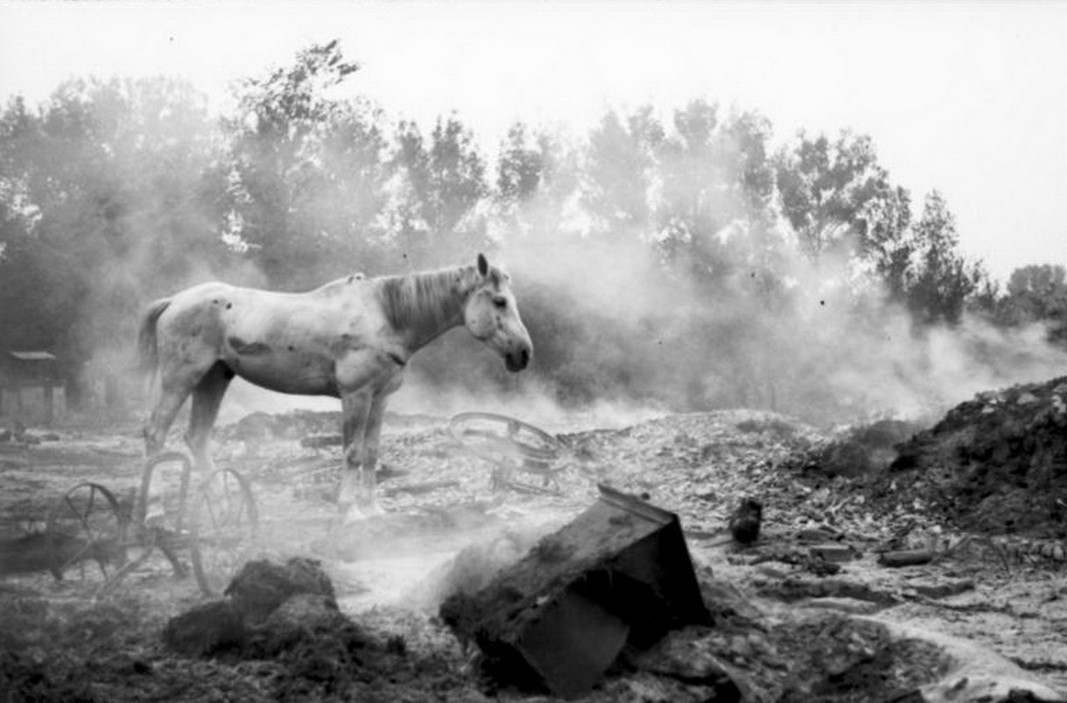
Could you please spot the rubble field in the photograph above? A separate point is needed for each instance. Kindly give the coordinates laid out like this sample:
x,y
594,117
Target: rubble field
x,y
894,562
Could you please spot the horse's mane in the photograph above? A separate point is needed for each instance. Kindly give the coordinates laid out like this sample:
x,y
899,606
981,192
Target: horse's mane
x,y
428,300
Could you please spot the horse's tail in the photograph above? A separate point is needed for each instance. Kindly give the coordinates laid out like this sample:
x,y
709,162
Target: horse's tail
x,y
147,350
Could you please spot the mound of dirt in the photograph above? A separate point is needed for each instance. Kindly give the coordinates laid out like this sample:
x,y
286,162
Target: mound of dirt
x,y
286,615
261,587
994,464
859,451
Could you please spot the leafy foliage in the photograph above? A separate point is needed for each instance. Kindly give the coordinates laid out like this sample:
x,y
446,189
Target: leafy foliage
x,y
114,192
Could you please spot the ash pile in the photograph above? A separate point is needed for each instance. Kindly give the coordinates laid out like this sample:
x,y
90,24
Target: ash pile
x,y
994,464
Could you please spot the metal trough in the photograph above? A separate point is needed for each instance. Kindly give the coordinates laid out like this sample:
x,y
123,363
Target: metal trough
x,y
618,574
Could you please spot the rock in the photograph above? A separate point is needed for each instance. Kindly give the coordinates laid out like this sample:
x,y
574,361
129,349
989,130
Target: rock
x,y
911,557
301,619
262,586
771,571
815,534
852,606
205,629
321,441
942,589
746,520
305,610
832,552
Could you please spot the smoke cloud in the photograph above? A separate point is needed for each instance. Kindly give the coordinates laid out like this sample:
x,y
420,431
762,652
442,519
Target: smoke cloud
x,y
620,332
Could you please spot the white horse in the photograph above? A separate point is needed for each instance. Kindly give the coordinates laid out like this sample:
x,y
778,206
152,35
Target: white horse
x,y
350,339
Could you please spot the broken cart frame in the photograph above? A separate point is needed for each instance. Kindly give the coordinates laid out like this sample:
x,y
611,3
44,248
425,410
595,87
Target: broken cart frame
x,y
518,451
93,536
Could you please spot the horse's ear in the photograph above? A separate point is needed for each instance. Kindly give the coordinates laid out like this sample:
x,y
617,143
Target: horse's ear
x,y
483,265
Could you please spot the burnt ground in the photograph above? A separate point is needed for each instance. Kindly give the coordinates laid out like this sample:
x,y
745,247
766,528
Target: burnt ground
x,y
807,612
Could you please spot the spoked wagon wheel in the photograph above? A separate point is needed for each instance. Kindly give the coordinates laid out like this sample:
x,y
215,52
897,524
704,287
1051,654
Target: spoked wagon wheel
x,y
87,536
225,527
513,446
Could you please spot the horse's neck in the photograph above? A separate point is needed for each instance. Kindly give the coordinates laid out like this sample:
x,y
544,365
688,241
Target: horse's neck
x,y
423,306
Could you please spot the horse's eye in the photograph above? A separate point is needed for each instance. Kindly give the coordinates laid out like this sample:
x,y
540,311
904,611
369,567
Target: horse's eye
x,y
500,301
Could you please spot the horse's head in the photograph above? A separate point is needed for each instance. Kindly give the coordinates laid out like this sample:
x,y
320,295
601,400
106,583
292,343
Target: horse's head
x,y
492,316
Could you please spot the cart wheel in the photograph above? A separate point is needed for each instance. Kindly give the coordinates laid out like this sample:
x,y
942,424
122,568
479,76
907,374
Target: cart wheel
x,y
225,527
513,446
503,439
87,534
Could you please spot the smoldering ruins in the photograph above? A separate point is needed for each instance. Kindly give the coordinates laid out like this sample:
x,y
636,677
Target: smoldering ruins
x,y
781,440
466,591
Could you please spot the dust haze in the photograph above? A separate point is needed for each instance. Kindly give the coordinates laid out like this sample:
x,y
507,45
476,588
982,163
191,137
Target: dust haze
x,y
620,333
668,349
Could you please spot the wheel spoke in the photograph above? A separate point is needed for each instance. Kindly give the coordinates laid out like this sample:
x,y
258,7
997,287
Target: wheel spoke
x,y
224,530
77,514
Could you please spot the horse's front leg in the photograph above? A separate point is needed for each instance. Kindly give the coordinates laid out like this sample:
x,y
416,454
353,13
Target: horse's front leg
x,y
371,438
353,497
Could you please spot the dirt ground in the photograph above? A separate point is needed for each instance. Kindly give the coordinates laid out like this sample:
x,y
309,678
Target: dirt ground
x,y
810,612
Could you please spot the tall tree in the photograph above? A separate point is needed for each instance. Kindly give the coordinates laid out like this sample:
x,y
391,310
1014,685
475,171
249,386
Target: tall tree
x,y
105,182
436,212
305,172
1036,293
520,168
837,197
620,158
941,280
714,212
536,178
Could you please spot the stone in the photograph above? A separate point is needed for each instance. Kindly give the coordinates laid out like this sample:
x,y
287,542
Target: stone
x,y
207,628
262,586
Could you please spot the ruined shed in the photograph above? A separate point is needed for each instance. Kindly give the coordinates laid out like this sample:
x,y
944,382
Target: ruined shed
x,y
32,387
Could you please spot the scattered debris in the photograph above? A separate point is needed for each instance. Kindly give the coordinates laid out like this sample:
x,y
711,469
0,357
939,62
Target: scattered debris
x,y
797,639
833,552
746,520
321,441
912,557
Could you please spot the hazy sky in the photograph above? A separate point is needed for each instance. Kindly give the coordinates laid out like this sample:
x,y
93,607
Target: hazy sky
x,y
966,97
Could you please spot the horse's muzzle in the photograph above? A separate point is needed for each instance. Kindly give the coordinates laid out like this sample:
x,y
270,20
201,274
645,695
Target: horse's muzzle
x,y
517,360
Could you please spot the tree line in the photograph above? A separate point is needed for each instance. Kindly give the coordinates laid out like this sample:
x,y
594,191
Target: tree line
x,y
113,192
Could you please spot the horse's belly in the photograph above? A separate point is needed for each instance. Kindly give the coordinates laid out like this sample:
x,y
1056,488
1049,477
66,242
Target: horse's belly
x,y
300,377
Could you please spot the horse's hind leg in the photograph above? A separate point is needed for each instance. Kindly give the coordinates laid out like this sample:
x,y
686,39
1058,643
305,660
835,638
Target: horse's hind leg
x,y
172,397
207,397
170,402
177,381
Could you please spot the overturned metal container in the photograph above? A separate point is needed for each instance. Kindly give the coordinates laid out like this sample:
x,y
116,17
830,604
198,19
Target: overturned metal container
x,y
618,574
